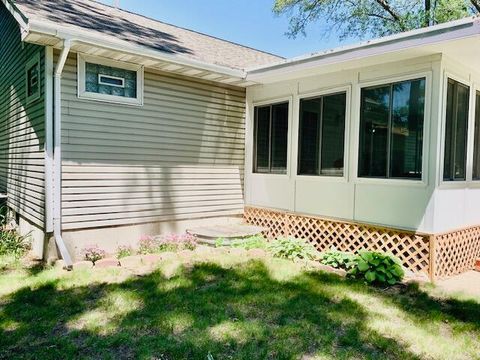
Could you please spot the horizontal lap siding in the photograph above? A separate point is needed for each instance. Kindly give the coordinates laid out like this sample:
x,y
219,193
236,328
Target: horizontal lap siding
x,y
179,156
22,126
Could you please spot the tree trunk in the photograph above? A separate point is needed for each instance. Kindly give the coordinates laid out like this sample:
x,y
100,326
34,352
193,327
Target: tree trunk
x,y
428,13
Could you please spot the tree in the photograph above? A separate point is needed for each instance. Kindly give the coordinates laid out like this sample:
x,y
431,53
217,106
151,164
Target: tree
x,y
367,18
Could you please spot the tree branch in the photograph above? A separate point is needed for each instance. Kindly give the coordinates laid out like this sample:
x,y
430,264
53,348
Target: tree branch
x,y
476,5
386,6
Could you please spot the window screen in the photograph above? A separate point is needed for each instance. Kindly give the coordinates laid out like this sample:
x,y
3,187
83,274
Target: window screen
x,y
391,130
456,127
271,139
322,135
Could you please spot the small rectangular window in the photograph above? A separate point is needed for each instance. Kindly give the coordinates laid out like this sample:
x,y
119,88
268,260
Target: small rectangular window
x,y
32,75
391,130
476,149
271,139
113,81
322,135
456,129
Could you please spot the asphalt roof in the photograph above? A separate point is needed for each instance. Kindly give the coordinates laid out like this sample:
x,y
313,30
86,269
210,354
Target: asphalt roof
x,y
120,24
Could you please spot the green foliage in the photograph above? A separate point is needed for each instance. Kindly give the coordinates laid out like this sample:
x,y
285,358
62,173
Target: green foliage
x,y
338,259
377,268
124,251
252,242
292,249
93,253
11,243
369,18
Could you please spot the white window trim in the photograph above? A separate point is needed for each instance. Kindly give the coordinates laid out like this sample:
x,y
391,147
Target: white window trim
x,y
474,183
273,101
100,76
423,182
449,184
83,94
34,60
346,158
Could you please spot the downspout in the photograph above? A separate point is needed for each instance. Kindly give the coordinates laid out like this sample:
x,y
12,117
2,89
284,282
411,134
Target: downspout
x,y
57,157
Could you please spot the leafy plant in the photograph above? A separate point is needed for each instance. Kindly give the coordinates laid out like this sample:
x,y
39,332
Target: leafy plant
x,y
124,251
93,253
175,242
11,243
251,242
338,259
170,242
292,249
377,268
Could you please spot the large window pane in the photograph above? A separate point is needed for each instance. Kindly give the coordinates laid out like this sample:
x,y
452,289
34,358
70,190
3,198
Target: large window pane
x,y
456,129
322,135
262,139
476,150
391,130
279,138
310,113
407,129
271,139
374,123
333,134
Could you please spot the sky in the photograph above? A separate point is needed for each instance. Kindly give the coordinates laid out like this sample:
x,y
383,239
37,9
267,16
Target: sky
x,y
248,22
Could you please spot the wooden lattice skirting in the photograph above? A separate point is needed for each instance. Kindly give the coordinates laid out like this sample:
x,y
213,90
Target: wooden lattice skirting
x,y
438,256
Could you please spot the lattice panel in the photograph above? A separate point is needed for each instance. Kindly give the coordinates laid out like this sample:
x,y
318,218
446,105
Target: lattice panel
x,y
456,252
411,248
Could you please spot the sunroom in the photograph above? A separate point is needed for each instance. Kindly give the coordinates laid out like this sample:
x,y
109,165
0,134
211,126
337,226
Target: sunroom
x,y
373,146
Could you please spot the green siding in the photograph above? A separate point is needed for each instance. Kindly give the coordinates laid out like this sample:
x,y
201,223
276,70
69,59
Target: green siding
x,y
22,125
178,157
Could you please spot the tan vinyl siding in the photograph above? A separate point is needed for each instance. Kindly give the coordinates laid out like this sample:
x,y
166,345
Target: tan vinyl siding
x,y
179,156
22,125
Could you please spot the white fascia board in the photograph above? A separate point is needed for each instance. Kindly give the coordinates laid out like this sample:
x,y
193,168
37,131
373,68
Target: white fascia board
x,y
86,37
18,16
412,39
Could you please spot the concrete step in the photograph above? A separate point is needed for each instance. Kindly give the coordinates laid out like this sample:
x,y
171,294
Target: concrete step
x,y
228,233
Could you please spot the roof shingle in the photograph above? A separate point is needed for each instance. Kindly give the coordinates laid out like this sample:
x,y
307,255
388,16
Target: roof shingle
x,y
102,19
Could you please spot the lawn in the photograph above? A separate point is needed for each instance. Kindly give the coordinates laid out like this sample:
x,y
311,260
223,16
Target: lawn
x,y
226,307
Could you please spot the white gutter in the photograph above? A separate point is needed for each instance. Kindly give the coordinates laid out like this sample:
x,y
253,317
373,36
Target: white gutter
x,y
48,139
57,159
107,42
408,40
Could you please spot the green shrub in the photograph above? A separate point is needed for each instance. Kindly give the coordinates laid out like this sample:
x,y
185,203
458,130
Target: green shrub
x,y
11,243
377,268
93,253
338,259
292,249
124,251
252,242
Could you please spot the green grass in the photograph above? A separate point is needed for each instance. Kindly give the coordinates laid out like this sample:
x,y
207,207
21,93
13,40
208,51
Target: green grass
x,y
229,307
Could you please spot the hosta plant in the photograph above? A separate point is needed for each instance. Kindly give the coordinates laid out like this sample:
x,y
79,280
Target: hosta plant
x,y
292,248
338,259
377,268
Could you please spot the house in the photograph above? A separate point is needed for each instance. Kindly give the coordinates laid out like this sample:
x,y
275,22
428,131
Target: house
x,y
115,125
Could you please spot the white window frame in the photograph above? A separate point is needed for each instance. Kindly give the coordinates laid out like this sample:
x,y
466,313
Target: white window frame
x,y
100,76
34,61
249,156
448,184
423,181
83,94
347,89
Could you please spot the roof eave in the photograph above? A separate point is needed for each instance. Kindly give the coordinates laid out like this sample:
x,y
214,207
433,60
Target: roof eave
x,y
426,36
83,36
